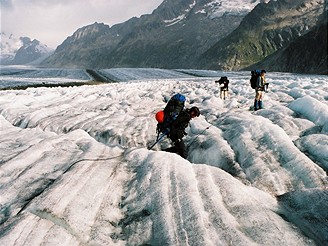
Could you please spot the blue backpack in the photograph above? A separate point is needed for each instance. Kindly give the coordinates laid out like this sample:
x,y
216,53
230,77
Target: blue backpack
x,y
171,111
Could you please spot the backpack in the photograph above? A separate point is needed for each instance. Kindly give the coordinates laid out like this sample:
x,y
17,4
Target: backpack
x,y
171,111
254,75
223,80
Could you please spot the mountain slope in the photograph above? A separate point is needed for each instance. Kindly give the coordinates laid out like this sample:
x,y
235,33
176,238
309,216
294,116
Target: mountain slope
x,y
31,51
75,50
23,50
9,46
307,54
173,36
268,28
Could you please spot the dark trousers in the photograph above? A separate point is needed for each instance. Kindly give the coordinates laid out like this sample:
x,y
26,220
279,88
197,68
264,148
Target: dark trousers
x,y
178,148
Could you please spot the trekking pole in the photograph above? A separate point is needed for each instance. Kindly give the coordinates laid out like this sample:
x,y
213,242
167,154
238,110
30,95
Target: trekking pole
x,y
198,135
157,141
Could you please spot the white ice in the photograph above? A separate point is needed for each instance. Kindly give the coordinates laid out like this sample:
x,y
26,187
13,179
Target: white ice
x,y
75,168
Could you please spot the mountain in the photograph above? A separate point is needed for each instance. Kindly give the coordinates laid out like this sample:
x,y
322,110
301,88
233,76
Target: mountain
x,y
84,46
30,51
173,36
307,54
266,29
205,34
9,45
23,50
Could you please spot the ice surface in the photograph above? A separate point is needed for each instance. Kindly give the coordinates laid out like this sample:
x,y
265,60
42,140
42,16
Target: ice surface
x,y
75,168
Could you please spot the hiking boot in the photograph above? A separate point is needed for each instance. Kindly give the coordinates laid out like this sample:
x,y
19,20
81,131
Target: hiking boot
x,y
260,105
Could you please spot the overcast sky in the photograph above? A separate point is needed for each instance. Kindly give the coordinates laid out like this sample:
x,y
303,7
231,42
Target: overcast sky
x,y
52,21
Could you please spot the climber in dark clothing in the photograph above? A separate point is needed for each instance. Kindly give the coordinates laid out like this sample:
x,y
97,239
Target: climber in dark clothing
x,y
177,131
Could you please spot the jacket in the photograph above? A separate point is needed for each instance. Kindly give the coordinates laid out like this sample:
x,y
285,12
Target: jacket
x,y
177,129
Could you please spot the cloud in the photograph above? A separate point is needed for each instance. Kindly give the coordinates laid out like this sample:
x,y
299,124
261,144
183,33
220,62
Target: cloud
x,y
52,21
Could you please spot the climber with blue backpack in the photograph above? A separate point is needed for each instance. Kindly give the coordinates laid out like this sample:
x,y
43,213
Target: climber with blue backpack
x,y
173,121
260,85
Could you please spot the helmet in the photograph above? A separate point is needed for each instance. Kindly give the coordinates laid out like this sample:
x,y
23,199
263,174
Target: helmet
x,y
195,110
160,116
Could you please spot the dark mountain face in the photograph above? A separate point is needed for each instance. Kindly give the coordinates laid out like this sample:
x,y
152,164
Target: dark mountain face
x,y
266,29
190,34
307,54
75,50
173,36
